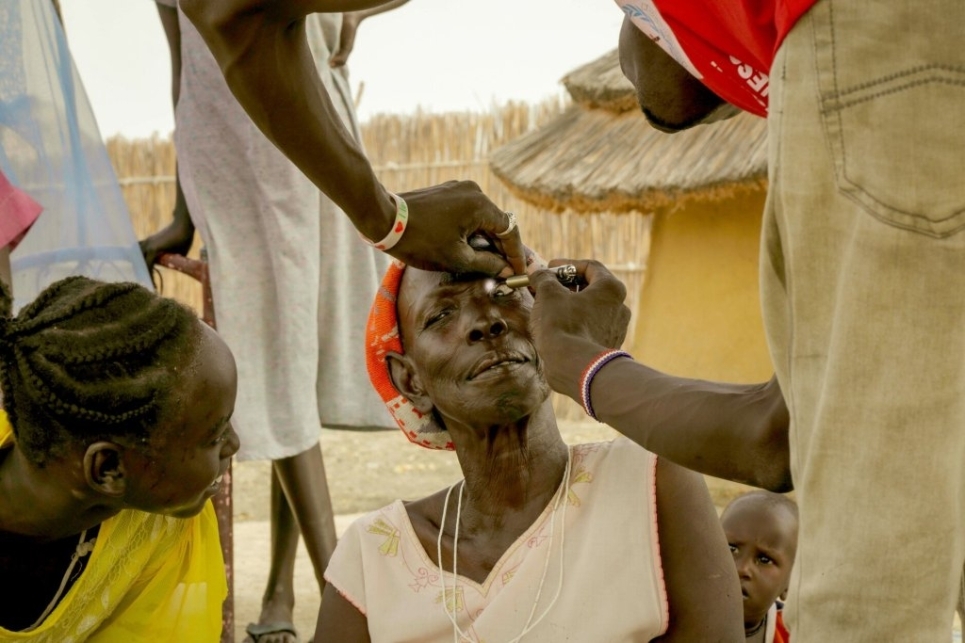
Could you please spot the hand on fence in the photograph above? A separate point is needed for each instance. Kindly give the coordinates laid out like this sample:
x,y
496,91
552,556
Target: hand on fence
x,y
443,218
176,238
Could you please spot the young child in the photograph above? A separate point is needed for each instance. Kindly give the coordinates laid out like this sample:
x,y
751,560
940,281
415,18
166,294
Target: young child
x,y
761,529
115,434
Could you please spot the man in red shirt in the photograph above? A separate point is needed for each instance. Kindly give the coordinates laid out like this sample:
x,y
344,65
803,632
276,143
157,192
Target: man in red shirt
x,y
862,275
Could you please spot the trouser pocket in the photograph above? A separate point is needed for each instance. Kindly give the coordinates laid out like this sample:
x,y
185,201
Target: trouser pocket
x,y
891,77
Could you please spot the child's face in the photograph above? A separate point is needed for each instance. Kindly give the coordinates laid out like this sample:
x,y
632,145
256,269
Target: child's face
x,y
763,540
191,451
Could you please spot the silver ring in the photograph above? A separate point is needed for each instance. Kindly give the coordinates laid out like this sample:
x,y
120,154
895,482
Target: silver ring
x,y
510,228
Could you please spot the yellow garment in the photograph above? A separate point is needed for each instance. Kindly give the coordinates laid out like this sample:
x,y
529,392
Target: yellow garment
x,y
150,578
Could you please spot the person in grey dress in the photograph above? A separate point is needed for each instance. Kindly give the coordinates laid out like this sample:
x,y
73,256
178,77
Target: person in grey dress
x,y
291,282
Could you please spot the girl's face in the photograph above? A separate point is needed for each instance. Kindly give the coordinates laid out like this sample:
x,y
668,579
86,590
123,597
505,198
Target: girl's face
x,y
191,450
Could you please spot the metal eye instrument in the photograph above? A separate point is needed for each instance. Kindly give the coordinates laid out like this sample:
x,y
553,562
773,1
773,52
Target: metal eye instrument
x,y
565,274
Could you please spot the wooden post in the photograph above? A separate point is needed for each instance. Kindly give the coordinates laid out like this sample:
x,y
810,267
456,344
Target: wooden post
x,y
198,269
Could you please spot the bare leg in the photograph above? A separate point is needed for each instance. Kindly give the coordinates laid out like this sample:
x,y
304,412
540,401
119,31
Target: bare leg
x,y
278,602
303,480
300,502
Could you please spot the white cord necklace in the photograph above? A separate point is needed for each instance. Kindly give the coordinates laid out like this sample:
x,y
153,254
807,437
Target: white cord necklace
x,y
83,549
560,497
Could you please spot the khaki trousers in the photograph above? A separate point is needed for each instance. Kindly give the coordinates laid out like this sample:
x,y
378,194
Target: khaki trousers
x,y
863,288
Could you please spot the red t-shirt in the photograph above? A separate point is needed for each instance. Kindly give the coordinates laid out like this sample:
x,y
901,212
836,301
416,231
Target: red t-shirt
x,y
781,634
728,45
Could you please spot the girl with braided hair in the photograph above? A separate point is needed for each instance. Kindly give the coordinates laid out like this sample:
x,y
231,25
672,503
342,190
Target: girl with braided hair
x,y
114,435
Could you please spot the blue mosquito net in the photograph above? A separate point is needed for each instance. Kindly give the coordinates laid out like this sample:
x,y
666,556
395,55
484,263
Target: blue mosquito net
x,y
50,148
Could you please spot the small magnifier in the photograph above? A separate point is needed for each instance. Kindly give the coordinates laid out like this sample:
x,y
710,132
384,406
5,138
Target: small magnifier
x,y
565,274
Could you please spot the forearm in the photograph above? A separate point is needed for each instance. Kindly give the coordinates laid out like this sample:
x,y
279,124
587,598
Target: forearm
x,y
172,31
736,432
182,217
264,55
382,8
732,431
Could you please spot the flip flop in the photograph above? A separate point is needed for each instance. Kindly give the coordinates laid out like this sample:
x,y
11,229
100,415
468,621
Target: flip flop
x,y
258,630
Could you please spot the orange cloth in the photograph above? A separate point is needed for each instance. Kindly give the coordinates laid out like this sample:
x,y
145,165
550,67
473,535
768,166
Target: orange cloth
x,y
382,337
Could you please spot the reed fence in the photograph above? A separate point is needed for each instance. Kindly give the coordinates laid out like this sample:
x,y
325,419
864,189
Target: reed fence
x,y
409,152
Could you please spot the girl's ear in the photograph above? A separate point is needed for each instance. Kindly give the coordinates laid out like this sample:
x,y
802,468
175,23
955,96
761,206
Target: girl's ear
x,y
104,469
407,382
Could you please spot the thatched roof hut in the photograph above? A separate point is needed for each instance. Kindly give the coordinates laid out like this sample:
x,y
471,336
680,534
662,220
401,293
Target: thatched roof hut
x,y
602,155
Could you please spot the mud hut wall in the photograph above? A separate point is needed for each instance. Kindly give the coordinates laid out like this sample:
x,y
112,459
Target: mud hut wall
x,y
700,311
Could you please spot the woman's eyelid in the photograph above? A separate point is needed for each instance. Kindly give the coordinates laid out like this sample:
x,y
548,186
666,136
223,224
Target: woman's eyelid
x,y
436,314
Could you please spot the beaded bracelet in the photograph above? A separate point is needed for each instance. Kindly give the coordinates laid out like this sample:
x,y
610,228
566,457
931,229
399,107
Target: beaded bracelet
x,y
590,372
398,226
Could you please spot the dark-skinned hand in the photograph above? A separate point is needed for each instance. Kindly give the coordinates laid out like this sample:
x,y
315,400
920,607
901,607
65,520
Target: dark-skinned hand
x,y
570,328
443,217
176,238
346,38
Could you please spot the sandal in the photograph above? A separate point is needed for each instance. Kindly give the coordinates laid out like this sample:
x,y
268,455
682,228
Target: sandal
x,y
257,630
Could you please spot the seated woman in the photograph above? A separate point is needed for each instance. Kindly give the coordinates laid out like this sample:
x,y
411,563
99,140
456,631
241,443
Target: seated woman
x,y
115,434
539,541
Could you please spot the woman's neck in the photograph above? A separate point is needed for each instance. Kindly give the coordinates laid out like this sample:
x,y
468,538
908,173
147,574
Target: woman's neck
x,y
45,503
510,470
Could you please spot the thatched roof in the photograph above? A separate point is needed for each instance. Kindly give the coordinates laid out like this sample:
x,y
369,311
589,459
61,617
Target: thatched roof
x,y
600,156
601,84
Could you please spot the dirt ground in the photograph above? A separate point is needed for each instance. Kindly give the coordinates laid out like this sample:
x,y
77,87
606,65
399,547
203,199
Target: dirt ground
x,y
369,469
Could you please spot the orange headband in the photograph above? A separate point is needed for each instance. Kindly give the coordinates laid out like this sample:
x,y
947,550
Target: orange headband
x,y
382,337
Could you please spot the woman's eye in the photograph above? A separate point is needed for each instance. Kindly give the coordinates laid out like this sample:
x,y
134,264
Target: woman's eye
x,y
436,317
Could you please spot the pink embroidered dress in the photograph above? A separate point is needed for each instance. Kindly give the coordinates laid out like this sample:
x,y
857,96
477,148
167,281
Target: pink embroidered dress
x,y
612,579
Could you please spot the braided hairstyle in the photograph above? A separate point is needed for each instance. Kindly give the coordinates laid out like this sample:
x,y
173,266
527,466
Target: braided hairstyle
x,y
88,360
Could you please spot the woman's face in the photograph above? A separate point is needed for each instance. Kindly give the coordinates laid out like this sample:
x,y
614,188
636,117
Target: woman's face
x,y
471,351
190,451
